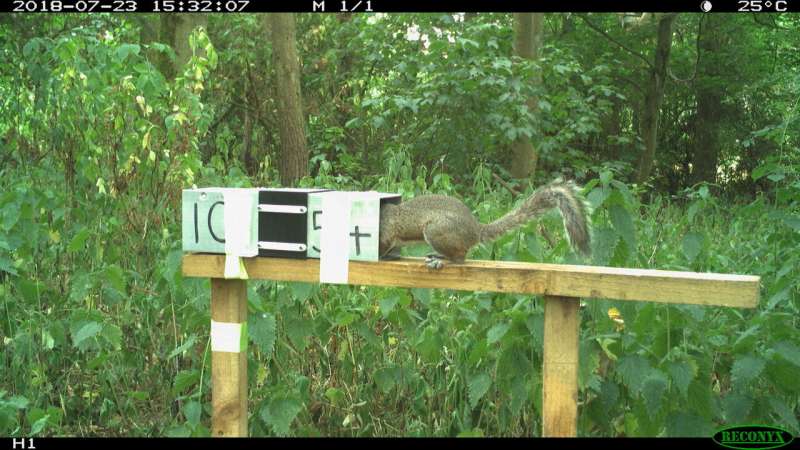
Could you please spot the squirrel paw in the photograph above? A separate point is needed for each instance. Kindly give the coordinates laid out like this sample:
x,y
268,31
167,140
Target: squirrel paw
x,y
434,261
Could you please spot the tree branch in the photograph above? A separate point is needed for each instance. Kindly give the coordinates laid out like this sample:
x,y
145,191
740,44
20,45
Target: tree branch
x,y
696,61
774,25
633,84
619,44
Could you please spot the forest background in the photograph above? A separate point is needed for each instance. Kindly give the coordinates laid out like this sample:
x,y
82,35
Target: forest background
x,y
683,130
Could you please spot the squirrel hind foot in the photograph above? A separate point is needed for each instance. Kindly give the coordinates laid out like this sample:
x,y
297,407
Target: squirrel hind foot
x,y
435,262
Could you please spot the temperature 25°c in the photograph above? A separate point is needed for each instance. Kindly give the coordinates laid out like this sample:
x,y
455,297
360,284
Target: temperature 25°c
x,y
762,5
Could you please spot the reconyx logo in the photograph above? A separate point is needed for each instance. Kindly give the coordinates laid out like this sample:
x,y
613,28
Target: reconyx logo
x,y
752,437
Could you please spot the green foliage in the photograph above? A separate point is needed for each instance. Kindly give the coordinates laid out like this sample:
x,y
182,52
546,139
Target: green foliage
x,y
101,334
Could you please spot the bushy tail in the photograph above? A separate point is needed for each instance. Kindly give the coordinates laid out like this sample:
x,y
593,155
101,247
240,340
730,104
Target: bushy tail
x,y
563,195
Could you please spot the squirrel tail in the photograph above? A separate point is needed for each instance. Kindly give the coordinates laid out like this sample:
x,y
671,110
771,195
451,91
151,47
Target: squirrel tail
x,y
563,195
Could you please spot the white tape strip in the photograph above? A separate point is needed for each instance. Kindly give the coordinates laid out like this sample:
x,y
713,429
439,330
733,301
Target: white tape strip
x,y
226,337
334,237
240,229
239,211
284,209
286,246
234,267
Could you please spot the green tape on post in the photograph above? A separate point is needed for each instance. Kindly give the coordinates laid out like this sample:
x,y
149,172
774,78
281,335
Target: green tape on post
x,y
243,342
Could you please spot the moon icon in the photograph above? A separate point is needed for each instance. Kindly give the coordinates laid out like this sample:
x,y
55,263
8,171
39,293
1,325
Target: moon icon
x,y
705,6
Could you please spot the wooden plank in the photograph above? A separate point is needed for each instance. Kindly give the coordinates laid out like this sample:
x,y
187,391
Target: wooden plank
x,y
229,370
560,367
740,291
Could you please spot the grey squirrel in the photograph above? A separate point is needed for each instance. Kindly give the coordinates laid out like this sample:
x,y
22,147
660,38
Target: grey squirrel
x,y
450,228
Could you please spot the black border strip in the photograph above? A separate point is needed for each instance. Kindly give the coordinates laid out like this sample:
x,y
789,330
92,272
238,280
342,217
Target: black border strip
x,y
431,6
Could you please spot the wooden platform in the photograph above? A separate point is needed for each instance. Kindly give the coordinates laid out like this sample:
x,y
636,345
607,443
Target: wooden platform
x,y
741,291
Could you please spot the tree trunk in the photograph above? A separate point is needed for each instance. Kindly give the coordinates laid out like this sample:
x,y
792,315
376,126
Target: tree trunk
x,y
174,30
528,28
654,94
151,31
612,126
184,25
709,94
293,161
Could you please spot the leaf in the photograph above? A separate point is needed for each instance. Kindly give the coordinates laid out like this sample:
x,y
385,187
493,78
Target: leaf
x,y
31,46
475,432
621,219
113,335
98,361
10,216
787,415
692,244
39,425
18,401
192,412
280,413
745,369
762,170
788,351
429,345
653,390
301,291
184,379
30,290
183,347
87,331
779,297
116,277
682,424
261,328
497,332
609,395
775,177
126,49
682,373
633,369
335,395
604,242
700,399
345,318
477,386
784,375
793,222
368,334
478,352
298,330
736,407
386,378
512,363
519,394
587,369
178,431
692,211
6,265
387,304
422,295
78,241
597,196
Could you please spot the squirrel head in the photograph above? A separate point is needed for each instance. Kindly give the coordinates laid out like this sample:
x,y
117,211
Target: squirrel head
x,y
386,238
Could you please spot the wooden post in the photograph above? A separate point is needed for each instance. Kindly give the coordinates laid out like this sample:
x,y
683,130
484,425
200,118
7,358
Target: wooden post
x,y
560,371
229,369
562,286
